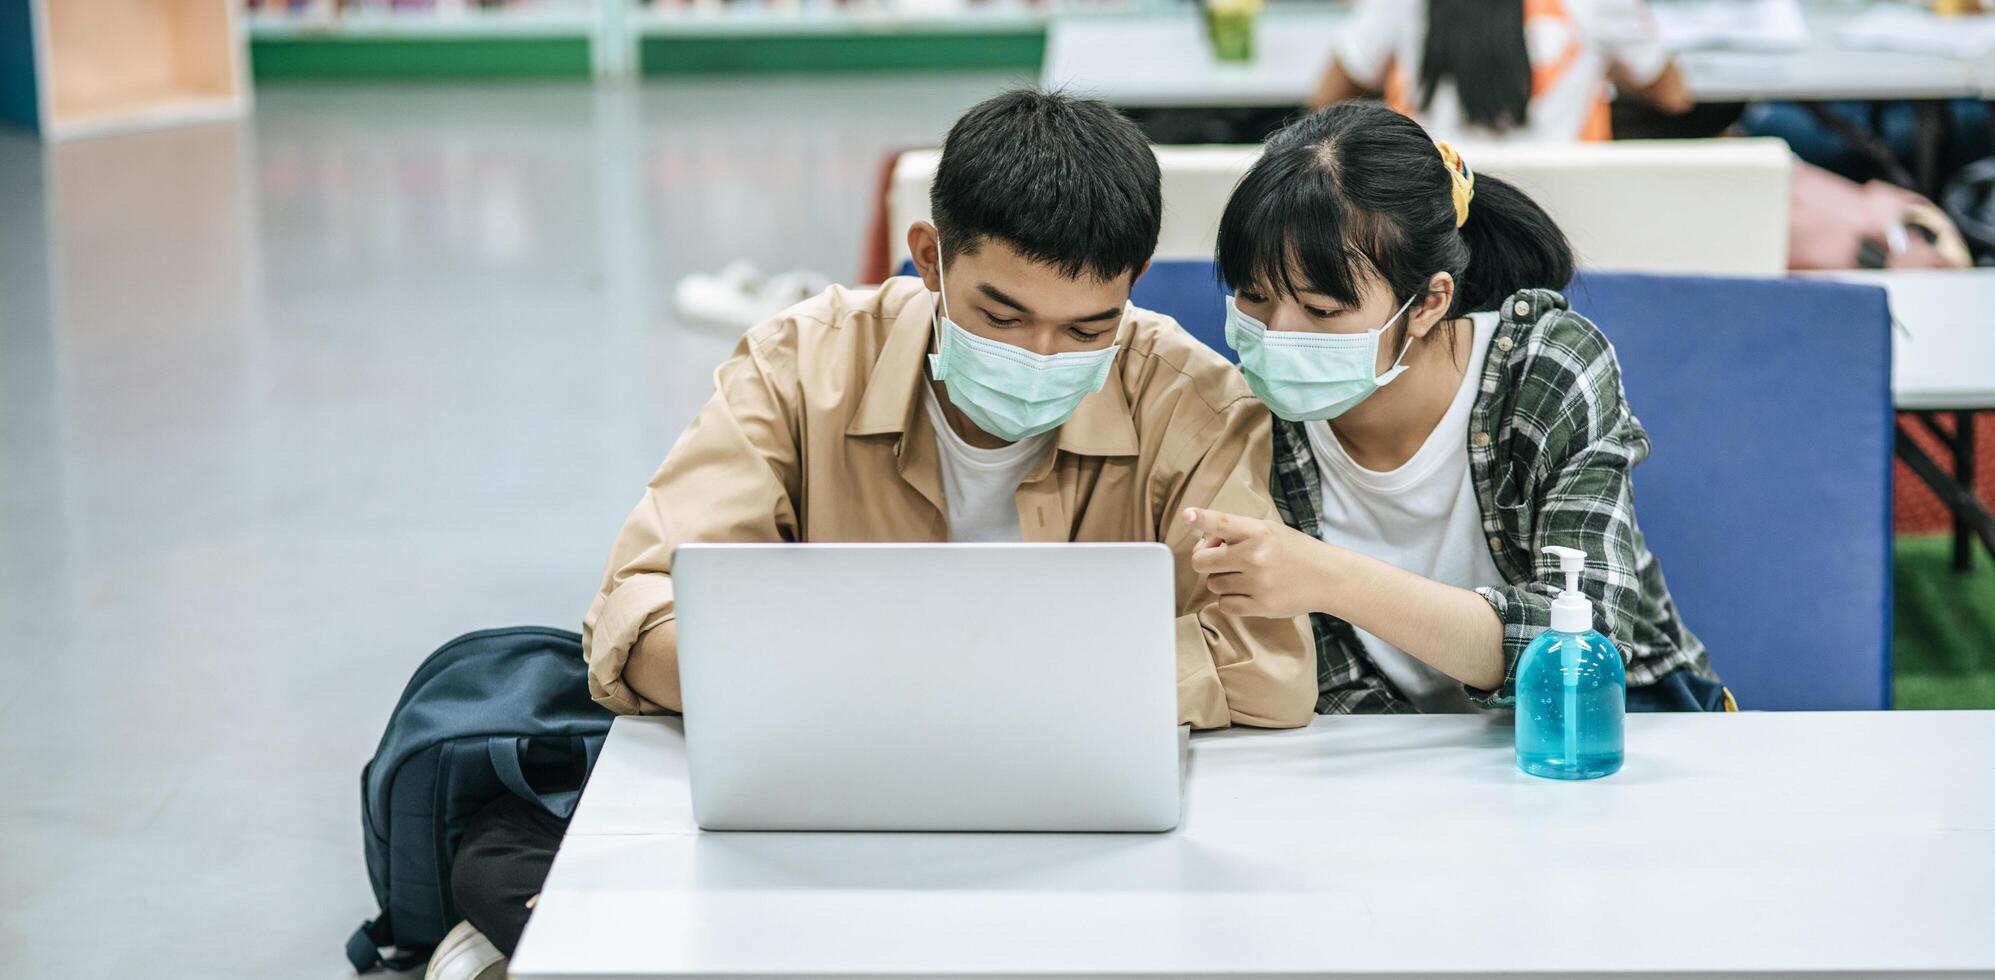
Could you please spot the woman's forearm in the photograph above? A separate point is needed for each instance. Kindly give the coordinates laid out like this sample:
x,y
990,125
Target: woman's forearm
x,y
1451,629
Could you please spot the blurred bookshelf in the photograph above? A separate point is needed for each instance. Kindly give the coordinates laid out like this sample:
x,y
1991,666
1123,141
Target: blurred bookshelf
x,y
609,38
709,37
424,38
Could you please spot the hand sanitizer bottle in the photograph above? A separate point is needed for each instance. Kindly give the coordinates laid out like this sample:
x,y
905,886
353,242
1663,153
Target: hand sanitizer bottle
x,y
1571,690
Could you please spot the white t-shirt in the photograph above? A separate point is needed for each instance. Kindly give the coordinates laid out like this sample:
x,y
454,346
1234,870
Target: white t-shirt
x,y
1572,44
980,486
1422,517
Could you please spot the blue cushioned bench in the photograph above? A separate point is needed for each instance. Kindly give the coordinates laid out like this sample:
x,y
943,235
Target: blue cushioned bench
x,y
1768,496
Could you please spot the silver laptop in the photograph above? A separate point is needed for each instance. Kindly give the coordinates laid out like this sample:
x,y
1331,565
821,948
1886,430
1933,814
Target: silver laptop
x,y
1001,687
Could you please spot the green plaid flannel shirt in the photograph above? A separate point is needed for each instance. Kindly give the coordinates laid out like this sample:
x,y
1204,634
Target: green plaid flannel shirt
x,y
1552,445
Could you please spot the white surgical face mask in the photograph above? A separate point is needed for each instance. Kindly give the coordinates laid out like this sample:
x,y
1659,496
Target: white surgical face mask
x,y
1010,392
1309,377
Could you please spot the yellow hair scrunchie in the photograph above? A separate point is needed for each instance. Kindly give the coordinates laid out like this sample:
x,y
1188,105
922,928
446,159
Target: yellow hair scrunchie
x,y
1461,181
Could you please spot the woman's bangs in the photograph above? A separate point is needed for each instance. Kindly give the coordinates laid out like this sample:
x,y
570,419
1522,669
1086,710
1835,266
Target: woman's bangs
x,y
1283,235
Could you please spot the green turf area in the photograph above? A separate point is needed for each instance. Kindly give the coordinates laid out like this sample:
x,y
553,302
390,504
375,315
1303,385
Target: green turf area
x,y
1944,637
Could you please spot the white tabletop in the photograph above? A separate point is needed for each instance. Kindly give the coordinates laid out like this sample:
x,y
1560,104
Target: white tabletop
x,y
1162,60
1848,842
1944,358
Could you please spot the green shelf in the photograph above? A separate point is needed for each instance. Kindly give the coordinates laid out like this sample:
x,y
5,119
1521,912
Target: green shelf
x,y
438,58
819,51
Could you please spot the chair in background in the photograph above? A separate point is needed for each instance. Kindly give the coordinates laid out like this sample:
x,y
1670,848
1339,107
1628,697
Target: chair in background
x,y
1716,207
1768,496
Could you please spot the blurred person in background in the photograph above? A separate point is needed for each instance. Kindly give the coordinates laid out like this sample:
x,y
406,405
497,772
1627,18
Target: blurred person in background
x,y
1548,71
1483,70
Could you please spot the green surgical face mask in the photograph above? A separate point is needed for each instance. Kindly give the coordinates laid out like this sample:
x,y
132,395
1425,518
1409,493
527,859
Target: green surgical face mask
x,y
1309,377
1010,392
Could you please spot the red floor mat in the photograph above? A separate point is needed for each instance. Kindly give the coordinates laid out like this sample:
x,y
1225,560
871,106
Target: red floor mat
x,y
1916,509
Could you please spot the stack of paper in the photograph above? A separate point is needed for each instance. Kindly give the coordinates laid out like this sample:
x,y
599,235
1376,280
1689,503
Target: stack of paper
x,y
1902,28
1746,25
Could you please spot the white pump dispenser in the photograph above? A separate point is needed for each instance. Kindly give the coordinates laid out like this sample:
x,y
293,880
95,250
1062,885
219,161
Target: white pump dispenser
x,y
1572,611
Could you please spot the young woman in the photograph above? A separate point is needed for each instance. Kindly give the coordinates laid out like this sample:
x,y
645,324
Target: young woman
x,y
1505,69
1442,415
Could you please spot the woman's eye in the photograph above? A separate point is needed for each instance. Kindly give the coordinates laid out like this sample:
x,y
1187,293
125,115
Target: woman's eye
x,y
1252,297
1319,312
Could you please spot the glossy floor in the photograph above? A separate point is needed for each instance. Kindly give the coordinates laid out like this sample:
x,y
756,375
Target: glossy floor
x,y
285,405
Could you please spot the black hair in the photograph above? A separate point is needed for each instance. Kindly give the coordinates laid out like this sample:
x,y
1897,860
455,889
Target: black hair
x,y
1065,181
1356,191
1480,45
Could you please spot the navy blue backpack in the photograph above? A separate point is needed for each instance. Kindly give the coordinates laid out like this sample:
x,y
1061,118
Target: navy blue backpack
x,y
480,713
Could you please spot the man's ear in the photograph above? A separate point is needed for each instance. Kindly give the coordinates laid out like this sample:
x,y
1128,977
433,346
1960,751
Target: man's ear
x,y
924,247
1433,307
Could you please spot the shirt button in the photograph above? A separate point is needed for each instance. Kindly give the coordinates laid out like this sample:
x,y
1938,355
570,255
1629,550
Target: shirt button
x,y
1504,344
1480,440
1521,308
1495,543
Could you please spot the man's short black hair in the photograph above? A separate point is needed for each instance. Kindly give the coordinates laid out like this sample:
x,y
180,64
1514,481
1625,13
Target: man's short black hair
x,y
1065,181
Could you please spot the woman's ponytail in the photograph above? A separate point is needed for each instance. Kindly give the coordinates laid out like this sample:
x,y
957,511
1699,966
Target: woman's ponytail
x,y
1513,244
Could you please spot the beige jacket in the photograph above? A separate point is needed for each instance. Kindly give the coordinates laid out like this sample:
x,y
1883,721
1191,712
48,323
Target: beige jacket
x,y
827,395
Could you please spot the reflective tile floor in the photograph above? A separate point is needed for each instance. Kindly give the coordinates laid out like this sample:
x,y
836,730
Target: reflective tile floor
x,y
284,405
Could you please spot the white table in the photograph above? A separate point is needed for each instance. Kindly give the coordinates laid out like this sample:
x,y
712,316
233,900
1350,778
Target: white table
x,y
1943,360
1162,60
1944,357
1748,843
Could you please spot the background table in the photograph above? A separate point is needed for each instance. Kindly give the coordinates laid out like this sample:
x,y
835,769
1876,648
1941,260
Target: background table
x,y
1943,361
1811,843
1164,61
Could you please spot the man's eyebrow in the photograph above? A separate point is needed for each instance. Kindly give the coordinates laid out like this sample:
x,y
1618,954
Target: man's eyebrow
x,y
993,293
1112,313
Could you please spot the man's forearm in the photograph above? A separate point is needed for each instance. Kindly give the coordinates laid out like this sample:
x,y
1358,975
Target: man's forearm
x,y
653,668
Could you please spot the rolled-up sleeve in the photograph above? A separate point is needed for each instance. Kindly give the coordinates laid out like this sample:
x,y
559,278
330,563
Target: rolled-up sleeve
x,y
1368,39
1627,32
1587,502
732,476
1233,670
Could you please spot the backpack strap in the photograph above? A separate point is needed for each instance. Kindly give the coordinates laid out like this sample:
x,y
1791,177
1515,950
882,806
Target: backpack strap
x,y
363,949
505,752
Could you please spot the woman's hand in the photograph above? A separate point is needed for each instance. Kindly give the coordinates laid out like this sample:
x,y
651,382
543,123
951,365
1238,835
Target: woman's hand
x,y
1257,567
1266,568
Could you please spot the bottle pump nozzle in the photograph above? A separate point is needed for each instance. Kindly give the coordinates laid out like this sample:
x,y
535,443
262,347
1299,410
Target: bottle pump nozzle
x,y
1572,611
1572,561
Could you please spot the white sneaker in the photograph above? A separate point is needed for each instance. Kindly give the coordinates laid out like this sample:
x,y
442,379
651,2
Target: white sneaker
x,y
740,296
465,954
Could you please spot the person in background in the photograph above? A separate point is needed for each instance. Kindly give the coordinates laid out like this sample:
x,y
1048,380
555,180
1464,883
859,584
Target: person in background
x,y
1009,392
1835,223
1442,416
1504,69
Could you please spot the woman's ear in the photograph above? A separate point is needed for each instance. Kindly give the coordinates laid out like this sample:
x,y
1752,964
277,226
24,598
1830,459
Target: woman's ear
x,y
1432,308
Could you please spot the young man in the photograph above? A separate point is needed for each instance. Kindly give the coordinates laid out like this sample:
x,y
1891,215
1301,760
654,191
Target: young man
x,y
1010,393
1053,411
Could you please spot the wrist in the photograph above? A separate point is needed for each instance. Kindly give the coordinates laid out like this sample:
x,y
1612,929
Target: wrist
x,y
1329,576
